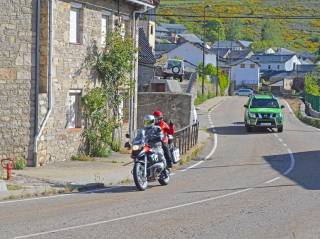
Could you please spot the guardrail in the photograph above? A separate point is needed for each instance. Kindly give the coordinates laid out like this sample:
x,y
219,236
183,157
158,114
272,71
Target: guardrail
x,y
186,138
314,101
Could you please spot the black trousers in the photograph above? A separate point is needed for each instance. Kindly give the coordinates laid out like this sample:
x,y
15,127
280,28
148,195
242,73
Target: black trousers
x,y
167,154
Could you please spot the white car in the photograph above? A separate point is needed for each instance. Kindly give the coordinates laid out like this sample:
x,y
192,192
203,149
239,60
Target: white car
x,y
244,92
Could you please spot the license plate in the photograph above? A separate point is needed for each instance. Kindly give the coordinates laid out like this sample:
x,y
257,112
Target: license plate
x,y
265,124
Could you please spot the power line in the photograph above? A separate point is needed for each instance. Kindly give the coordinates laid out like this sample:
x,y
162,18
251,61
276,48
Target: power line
x,y
276,17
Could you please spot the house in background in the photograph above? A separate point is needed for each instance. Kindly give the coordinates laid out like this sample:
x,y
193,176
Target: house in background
x,y
148,24
239,55
232,45
189,37
273,62
174,28
146,68
192,53
245,72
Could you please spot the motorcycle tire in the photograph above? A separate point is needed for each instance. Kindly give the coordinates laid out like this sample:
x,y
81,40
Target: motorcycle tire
x,y
164,181
138,171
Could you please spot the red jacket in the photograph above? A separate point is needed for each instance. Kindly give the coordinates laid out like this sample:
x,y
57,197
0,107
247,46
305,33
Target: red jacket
x,y
166,129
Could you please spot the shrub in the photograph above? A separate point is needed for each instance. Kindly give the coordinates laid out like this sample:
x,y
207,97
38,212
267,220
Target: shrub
x,y
20,164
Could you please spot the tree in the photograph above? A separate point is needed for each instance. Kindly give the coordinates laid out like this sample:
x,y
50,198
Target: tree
x,y
271,32
215,31
233,30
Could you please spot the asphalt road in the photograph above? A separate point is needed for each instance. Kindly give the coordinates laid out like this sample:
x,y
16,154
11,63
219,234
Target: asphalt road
x,y
257,185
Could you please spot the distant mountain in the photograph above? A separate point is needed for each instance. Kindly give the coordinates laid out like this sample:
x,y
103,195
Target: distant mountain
x,y
298,34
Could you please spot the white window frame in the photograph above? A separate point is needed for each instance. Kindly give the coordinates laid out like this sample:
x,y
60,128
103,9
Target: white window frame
x,y
74,31
74,109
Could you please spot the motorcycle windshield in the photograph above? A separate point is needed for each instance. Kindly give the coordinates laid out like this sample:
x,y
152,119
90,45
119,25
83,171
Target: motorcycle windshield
x,y
140,138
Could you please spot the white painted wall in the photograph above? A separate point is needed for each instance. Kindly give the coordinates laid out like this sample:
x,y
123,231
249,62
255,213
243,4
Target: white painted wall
x,y
191,53
246,75
287,66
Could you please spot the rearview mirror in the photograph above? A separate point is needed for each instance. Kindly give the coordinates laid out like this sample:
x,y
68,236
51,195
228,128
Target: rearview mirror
x,y
128,136
245,106
282,107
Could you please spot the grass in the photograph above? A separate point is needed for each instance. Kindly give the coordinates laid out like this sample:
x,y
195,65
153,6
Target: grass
x,y
81,157
125,181
191,155
14,187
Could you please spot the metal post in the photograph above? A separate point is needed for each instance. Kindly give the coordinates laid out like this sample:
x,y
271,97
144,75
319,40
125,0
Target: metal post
x,y
203,46
217,79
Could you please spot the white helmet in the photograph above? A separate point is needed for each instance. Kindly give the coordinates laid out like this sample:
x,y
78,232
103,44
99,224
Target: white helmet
x,y
148,121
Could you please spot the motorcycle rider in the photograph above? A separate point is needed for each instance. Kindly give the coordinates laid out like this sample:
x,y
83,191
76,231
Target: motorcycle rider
x,y
166,130
153,136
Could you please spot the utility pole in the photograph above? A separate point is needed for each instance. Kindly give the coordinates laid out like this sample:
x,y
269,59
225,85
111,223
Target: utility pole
x,y
217,67
203,46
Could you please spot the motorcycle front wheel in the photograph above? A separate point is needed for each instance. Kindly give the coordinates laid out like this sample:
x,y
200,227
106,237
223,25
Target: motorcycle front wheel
x,y
139,178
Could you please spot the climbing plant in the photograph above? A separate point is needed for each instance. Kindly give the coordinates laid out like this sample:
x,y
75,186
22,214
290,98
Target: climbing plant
x,y
112,66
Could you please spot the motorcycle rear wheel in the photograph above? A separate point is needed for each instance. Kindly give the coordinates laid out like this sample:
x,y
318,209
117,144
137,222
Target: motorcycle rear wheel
x,y
164,181
139,178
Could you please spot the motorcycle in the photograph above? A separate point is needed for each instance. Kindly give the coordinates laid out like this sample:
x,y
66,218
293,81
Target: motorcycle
x,y
147,166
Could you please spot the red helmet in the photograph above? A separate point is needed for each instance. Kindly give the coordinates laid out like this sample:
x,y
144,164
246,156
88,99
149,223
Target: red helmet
x,y
158,114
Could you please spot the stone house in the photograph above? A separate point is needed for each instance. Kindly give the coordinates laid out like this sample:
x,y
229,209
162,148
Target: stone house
x,y
43,45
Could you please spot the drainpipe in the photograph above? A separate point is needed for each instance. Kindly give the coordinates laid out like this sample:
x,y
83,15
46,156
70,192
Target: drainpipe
x,y
49,110
37,77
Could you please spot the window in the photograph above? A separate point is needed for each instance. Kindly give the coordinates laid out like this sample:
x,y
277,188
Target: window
x,y
75,23
269,67
151,30
278,67
73,111
242,65
104,28
252,66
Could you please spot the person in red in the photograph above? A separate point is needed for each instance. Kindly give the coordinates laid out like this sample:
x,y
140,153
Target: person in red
x,y
166,130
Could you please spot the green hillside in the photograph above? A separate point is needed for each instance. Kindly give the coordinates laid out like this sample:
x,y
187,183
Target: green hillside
x,y
295,34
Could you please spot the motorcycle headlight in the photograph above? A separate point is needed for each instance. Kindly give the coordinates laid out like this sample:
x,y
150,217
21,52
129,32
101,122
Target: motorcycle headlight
x,y
252,115
135,147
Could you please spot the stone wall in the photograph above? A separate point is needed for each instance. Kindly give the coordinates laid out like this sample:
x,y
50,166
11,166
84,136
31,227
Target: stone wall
x,y
176,107
17,78
58,142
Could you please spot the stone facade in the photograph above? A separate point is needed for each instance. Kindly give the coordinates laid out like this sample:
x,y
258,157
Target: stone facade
x,y
176,107
17,73
60,143
17,78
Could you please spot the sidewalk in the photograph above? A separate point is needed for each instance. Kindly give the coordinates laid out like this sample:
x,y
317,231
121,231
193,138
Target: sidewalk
x,y
73,176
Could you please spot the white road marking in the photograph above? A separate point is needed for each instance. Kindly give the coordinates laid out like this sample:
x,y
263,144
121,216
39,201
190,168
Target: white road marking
x,y
285,145
280,140
134,215
272,180
192,166
292,163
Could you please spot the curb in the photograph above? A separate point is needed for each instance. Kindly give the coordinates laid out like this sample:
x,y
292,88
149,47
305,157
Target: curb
x,y
3,187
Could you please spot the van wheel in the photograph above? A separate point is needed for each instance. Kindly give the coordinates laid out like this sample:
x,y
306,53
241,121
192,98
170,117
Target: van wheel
x,y
280,129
